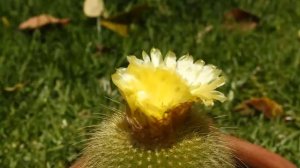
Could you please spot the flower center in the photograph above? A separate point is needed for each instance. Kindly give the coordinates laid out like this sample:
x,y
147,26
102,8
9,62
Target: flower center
x,y
157,90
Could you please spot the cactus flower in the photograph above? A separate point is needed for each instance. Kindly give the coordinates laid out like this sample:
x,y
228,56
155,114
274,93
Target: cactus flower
x,y
153,87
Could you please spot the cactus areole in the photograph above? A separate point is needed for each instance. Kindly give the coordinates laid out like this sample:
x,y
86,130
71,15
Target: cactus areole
x,y
159,127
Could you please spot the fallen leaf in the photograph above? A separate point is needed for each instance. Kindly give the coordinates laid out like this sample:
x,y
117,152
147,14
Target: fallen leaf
x,y
203,32
240,15
289,118
41,21
130,16
14,88
268,107
120,22
100,48
93,8
121,29
5,21
238,19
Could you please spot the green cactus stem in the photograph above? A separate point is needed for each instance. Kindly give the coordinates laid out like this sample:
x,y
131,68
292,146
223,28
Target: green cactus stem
x,y
195,144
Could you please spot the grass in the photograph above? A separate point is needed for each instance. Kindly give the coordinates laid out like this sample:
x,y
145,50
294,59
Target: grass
x,y
67,80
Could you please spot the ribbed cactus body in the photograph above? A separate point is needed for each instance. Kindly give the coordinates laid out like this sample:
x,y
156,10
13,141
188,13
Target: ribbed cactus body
x,y
196,144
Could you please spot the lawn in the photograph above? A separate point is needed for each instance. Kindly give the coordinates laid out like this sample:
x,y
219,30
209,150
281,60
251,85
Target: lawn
x,y
67,86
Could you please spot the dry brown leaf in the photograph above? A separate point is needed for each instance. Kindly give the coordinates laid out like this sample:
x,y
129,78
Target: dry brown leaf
x,y
14,88
121,29
238,19
40,21
268,107
93,8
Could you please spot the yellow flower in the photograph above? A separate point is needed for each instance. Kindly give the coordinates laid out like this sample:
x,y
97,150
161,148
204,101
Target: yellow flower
x,y
155,86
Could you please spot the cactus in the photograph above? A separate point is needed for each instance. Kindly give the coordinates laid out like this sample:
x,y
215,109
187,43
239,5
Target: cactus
x,y
195,145
160,127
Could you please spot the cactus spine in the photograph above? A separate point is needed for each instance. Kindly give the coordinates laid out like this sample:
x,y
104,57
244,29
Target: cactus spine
x,y
195,145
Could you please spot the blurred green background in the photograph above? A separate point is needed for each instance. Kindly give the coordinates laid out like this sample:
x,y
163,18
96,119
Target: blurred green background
x,y
66,77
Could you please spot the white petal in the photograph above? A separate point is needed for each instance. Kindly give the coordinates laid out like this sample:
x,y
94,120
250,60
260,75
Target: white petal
x,y
170,60
156,57
184,68
206,74
199,62
218,96
196,70
146,57
198,66
133,60
185,61
218,82
184,65
208,102
121,70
